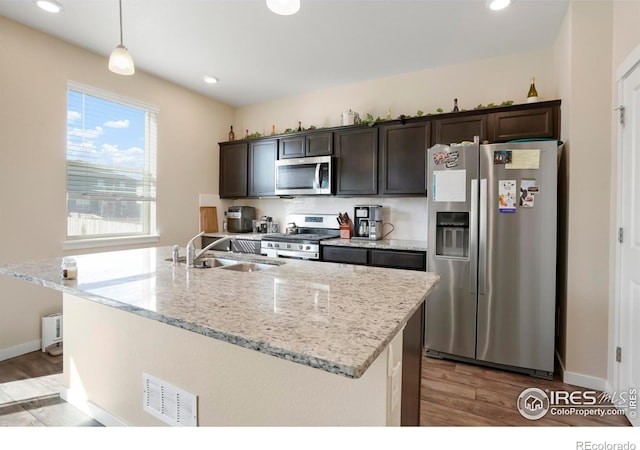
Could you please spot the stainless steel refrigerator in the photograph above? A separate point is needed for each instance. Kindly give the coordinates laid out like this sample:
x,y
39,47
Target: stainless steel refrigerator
x,y
492,238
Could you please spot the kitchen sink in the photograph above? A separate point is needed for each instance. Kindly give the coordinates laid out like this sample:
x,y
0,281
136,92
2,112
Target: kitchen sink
x,y
207,263
230,264
248,267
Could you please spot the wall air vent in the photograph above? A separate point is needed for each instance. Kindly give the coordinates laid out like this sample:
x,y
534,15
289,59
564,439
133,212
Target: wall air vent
x,y
169,403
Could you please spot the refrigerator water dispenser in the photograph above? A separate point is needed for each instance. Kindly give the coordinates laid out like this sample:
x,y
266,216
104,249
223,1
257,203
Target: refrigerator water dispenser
x,y
452,234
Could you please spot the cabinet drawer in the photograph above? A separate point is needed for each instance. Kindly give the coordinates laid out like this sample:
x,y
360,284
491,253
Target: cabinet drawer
x,y
399,259
344,255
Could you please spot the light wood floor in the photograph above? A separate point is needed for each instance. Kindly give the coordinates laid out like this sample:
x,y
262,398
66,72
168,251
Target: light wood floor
x,y
453,394
458,394
30,394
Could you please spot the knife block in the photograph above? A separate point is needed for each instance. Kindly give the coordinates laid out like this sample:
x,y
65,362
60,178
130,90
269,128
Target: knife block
x,y
345,231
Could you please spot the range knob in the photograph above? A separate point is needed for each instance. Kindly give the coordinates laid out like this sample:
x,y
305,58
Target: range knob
x,y
288,245
269,244
308,247
300,246
276,245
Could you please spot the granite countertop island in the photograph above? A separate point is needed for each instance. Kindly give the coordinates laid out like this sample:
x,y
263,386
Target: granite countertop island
x,y
333,317
294,343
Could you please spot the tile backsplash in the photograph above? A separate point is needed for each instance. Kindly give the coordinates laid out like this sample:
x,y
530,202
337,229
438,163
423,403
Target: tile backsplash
x,y
407,214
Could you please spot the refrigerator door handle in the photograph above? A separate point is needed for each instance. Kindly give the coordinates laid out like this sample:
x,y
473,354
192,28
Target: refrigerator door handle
x,y
482,239
473,239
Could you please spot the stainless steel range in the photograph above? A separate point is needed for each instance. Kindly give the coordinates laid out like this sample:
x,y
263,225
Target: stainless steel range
x,y
305,243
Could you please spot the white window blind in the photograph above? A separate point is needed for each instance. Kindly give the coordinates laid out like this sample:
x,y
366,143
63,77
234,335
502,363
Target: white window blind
x,y
111,164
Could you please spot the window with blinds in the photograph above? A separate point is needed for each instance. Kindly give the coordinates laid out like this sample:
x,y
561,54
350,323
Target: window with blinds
x,y
111,165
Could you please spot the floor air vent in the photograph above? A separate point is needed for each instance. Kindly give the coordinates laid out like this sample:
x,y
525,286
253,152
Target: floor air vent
x,y
169,403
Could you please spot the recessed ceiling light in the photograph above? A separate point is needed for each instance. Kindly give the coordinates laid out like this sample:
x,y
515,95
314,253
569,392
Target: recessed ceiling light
x,y
49,5
497,5
284,7
210,80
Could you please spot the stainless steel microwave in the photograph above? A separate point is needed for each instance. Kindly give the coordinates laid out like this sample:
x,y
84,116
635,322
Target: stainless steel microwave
x,y
304,176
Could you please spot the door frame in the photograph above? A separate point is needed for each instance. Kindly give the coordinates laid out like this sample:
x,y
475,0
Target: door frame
x,y
631,62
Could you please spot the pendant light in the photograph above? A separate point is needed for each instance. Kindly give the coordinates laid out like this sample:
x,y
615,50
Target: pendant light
x,y
284,7
120,61
497,5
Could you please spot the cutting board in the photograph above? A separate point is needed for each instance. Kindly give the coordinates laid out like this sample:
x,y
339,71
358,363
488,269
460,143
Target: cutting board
x,y
208,219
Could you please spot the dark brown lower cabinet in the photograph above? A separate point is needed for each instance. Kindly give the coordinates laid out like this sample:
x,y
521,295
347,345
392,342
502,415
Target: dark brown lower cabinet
x,y
394,259
399,259
345,255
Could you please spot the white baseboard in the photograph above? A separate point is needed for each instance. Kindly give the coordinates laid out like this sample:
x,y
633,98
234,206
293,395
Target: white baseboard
x,y
91,409
585,381
19,350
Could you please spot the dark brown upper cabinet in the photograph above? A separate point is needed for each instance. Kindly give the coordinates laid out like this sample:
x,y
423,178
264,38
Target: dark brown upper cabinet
x,y
233,169
386,159
458,129
300,146
525,124
356,161
262,168
403,149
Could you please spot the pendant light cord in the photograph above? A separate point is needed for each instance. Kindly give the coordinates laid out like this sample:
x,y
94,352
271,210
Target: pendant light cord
x,y
121,41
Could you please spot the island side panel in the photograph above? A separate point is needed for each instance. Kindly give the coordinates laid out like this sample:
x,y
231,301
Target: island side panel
x,y
107,350
412,352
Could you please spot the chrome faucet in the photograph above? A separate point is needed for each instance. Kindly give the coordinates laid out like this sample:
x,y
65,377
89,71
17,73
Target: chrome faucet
x,y
193,255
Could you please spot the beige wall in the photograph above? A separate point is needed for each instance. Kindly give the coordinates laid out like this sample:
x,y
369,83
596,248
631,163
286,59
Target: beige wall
x,y
562,49
626,29
34,75
477,82
589,183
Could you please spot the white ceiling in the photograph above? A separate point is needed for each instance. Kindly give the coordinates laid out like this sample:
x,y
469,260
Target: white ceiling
x,y
259,56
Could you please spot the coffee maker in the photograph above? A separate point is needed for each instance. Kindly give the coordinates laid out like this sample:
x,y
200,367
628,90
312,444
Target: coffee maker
x,y
367,222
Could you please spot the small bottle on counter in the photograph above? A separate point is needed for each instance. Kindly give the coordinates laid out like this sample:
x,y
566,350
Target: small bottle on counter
x,y
224,222
299,126
232,135
68,269
273,130
455,105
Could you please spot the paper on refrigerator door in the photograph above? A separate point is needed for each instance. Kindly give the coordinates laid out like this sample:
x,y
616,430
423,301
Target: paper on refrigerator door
x,y
524,159
449,186
507,196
